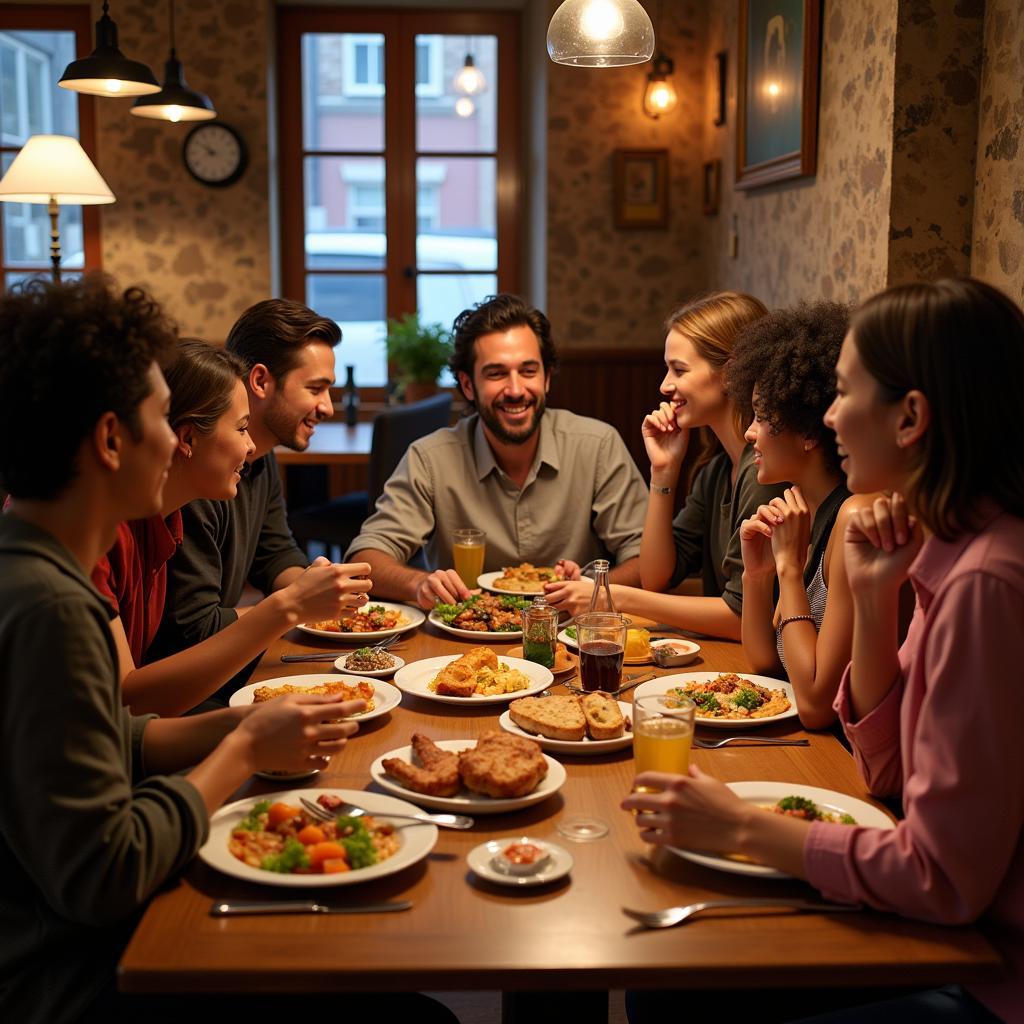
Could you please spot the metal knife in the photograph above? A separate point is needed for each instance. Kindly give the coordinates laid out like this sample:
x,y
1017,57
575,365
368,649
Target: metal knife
x,y
238,907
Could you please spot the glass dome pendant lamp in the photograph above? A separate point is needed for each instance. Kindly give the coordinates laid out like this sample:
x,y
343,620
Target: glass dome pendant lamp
x,y
600,33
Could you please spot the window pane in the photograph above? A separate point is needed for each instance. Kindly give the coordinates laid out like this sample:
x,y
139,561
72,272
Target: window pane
x,y
441,297
456,214
358,303
343,91
440,127
345,213
31,103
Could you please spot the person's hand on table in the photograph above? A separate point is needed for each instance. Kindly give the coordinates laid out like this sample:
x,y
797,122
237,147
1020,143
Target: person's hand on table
x,y
444,585
285,734
791,537
880,543
693,811
572,596
325,588
567,569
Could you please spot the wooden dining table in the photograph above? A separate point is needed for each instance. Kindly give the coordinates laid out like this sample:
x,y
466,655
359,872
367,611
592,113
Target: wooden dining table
x,y
465,933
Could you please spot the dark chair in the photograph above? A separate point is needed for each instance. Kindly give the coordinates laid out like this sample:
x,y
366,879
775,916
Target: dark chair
x,y
336,523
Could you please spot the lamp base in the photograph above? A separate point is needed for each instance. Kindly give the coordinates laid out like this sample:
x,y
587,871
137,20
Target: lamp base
x,y
53,209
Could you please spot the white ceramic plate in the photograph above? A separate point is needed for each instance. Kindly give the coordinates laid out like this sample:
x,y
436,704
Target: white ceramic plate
x,y
416,677
287,776
772,792
472,634
414,616
486,581
688,650
466,802
480,860
581,748
569,641
380,673
416,841
385,696
657,687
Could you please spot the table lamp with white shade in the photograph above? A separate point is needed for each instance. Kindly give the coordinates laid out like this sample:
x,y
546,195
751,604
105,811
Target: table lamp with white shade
x,y
54,169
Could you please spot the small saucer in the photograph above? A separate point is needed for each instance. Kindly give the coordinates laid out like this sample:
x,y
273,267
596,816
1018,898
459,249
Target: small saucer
x,y
480,861
377,673
517,652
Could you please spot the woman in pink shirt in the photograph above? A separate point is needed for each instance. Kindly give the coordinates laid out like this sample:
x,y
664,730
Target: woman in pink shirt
x,y
924,410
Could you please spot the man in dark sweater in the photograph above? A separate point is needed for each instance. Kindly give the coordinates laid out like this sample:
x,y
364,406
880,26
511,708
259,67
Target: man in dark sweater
x,y
93,817
289,351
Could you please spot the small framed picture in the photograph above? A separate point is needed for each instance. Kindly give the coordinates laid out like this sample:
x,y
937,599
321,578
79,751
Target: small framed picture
x,y
719,87
712,186
641,188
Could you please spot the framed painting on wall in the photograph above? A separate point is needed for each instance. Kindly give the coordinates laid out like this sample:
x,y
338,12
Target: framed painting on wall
x,y
641,188
777,93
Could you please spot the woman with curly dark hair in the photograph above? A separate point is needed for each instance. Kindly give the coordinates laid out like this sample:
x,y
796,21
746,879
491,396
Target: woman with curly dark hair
x,y
782,374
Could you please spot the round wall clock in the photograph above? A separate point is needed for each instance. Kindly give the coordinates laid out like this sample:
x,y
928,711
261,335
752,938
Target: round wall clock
x,y
215,154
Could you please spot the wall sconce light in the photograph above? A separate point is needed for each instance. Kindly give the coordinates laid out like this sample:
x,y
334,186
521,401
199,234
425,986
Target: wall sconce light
x,y
175,101
660,94
600,33
107,71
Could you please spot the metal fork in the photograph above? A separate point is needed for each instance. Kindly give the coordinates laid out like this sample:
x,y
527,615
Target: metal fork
x,y
386,644
672,916
763,741
459,821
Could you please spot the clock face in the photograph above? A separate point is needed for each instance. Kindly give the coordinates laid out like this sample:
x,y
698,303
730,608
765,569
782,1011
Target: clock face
x,y
214,154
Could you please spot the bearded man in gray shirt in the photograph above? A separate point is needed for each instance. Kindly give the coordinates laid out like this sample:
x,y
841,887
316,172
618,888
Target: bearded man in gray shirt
x,y
547,486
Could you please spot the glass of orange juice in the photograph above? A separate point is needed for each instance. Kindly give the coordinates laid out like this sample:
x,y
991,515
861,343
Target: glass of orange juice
x,y
468,547
662,734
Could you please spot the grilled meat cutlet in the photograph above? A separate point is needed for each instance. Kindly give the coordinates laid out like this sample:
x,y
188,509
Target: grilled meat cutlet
x,y
502,765
439,774
458,679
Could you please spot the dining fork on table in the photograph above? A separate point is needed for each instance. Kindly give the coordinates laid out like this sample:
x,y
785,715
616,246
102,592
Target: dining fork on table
x,y
672,916
760,741
391,643
459,821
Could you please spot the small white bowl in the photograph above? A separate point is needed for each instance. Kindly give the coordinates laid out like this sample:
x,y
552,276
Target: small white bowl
x,y
512,865
671,653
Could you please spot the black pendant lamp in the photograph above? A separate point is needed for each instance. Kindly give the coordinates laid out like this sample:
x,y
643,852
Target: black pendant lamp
x,y
107,71
175,101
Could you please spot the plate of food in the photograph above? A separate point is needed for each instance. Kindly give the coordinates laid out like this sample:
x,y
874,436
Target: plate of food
x,y
726,700
278,842
482,617
523,579
373,621
565,661
638,644
807,802
367,661
497,773
380,697
592,723
479,677
519,861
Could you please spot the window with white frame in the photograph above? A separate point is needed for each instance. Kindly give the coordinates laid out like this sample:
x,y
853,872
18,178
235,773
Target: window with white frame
x,y
363,65
429,66
24,84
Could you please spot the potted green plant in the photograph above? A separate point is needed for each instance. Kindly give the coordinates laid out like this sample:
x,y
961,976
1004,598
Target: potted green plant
x,y
418,352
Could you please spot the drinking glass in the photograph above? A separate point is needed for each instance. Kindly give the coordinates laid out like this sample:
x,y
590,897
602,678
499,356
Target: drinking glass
x,y
662,734
602,641
468,547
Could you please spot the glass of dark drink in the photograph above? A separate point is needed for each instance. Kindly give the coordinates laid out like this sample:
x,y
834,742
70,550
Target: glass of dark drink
x,y
602,642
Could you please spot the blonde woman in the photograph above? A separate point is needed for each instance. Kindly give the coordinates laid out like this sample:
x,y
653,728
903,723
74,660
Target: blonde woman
x,y
704,536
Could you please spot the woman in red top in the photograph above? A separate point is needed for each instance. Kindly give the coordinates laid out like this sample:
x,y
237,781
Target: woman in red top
x,y
209,413
924,410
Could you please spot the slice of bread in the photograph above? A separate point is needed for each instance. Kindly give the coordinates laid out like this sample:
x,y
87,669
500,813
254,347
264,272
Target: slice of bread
x,y
558,717
604,716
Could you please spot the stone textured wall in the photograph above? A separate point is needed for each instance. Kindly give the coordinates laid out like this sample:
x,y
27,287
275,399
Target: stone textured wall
x,y
608,286
935,130
204,252
825,236
998,253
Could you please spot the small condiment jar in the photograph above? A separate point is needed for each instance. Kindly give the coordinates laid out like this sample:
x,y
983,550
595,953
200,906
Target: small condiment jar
x,y
540,630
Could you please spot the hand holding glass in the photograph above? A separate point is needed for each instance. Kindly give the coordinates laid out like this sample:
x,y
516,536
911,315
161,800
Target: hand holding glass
x,y
662,734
